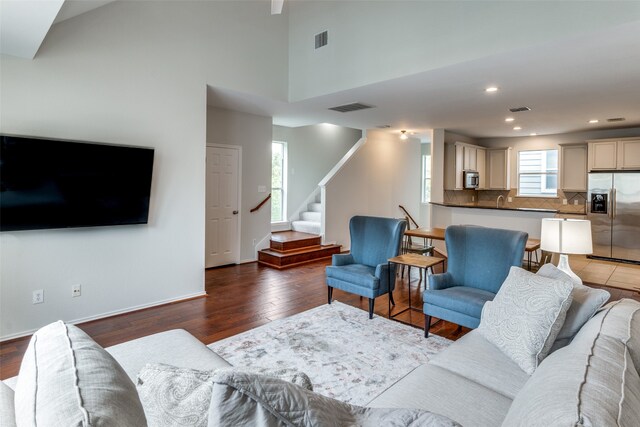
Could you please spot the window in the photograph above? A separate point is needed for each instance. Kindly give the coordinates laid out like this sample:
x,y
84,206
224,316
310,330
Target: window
x,y
426,178
538,173
278,181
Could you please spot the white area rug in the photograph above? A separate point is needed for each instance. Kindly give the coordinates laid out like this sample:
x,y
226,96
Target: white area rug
x,y
346,355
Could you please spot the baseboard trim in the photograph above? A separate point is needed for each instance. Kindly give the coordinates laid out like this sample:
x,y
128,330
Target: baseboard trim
x,y
112,313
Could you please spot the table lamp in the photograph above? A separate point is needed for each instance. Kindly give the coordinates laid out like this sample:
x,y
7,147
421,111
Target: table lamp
x,y
566,236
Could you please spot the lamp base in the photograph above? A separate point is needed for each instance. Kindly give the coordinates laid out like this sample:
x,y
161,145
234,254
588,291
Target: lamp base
x,y
563,265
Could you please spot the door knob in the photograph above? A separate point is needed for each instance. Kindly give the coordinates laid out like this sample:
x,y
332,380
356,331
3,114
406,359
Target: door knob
x,y
235,212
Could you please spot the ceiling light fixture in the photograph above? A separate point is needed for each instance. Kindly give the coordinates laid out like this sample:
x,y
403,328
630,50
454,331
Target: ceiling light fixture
x,y
403,134
594,121
509,119
491,89
517,128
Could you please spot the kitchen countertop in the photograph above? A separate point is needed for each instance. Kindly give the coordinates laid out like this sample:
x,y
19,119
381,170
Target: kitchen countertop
x,y
502,208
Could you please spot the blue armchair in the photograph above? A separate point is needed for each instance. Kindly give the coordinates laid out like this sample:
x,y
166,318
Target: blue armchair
x,y
364,271
479,259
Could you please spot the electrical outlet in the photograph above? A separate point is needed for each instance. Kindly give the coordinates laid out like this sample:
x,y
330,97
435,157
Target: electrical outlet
x,y
473,199
38,296
510,199
262,188
254,242
564,201
76,291
575,202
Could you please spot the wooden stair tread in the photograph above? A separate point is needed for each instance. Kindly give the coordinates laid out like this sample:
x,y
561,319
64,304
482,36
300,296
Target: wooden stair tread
x,y
280,260
288,236
308,249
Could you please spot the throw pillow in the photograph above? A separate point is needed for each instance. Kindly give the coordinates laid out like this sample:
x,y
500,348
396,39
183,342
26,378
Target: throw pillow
x,y
585,302
173,396
66,379
241,398
525,316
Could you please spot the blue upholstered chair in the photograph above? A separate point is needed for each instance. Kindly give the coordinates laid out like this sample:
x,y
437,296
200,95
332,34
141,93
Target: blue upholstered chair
x,y
364,271
479,259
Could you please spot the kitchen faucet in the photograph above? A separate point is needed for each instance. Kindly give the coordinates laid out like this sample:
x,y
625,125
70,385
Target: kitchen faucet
x,y
498,201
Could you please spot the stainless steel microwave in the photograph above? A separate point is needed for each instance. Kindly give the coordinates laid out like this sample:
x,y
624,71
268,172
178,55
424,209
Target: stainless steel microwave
x,y
471,179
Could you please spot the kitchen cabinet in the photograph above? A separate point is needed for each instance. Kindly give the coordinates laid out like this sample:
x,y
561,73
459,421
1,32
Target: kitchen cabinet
x,y
614,154
498,169
481,156
453,163
470,158
573,167
629,154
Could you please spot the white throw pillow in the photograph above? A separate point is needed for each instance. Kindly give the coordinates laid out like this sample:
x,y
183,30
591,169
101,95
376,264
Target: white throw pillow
x,y
585,302
174,396
244,399
525,316
66,379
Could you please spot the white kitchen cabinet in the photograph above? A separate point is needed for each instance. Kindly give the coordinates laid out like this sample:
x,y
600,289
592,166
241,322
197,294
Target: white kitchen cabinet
x,y
481,156
573,167
629,154
614,154
498,169
603,155
470,158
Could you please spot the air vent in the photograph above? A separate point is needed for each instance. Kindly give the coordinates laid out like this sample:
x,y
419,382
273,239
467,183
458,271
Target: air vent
x,y
616,119
351,107
519,109
322,39
383,126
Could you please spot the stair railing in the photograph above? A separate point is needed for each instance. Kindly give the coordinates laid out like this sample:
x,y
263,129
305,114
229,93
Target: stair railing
x,y
266,199
408,215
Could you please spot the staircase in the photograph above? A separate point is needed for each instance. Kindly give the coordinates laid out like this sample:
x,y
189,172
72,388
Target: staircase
x,y
291,248
309,221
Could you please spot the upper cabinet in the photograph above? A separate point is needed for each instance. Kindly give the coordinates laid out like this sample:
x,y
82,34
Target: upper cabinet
x,y
481,161
498,169
460,157
614,154
573,167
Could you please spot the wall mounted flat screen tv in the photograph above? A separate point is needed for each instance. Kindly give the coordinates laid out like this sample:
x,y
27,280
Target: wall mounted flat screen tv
x,y
62,184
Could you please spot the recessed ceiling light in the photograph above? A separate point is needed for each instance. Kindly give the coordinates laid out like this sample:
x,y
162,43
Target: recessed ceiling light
x,y
594,121
491,89
533,134
517,128
509,119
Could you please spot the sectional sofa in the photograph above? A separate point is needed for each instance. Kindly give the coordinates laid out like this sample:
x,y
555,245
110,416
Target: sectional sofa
x,y
593,381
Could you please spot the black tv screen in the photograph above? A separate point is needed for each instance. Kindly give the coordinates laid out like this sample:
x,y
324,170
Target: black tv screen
x,y
60,184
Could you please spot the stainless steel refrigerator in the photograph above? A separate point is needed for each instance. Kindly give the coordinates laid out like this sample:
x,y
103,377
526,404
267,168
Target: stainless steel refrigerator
x,y
613,207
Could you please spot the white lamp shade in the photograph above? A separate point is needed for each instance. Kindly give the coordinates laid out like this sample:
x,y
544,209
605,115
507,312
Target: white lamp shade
x,y
566,236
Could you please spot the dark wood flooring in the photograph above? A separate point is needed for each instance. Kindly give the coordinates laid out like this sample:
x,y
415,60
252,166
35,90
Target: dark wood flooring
x,y
240,298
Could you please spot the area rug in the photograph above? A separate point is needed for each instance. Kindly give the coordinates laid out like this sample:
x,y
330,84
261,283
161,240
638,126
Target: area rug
x,y
346,355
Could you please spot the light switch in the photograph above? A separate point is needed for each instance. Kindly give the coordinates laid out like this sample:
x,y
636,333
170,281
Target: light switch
x,y
262,189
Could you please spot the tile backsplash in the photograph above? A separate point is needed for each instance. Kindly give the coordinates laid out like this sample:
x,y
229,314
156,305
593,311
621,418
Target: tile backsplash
x,y
489,197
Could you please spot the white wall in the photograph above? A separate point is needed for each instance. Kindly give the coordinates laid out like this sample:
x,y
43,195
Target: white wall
x,y
312,152
130,73
365,36
382,174
253,134
550,142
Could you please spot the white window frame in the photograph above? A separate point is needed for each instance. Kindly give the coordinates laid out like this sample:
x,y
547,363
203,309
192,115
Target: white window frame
x,y
426,160
283,190
546,192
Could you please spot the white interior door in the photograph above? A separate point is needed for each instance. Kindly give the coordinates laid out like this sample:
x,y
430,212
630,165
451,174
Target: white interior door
x,y
222,241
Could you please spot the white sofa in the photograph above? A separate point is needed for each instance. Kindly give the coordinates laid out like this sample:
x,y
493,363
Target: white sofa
x,y
594,381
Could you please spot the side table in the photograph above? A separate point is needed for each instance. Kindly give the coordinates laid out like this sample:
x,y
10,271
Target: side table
x,y
411,260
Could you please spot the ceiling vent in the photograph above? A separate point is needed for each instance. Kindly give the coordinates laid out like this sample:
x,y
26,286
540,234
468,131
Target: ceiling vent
x,y
519,109
355,106
616,119
322,39
383,126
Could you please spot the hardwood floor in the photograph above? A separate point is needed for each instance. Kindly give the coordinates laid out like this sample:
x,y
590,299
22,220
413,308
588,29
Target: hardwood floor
x,y
240,298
